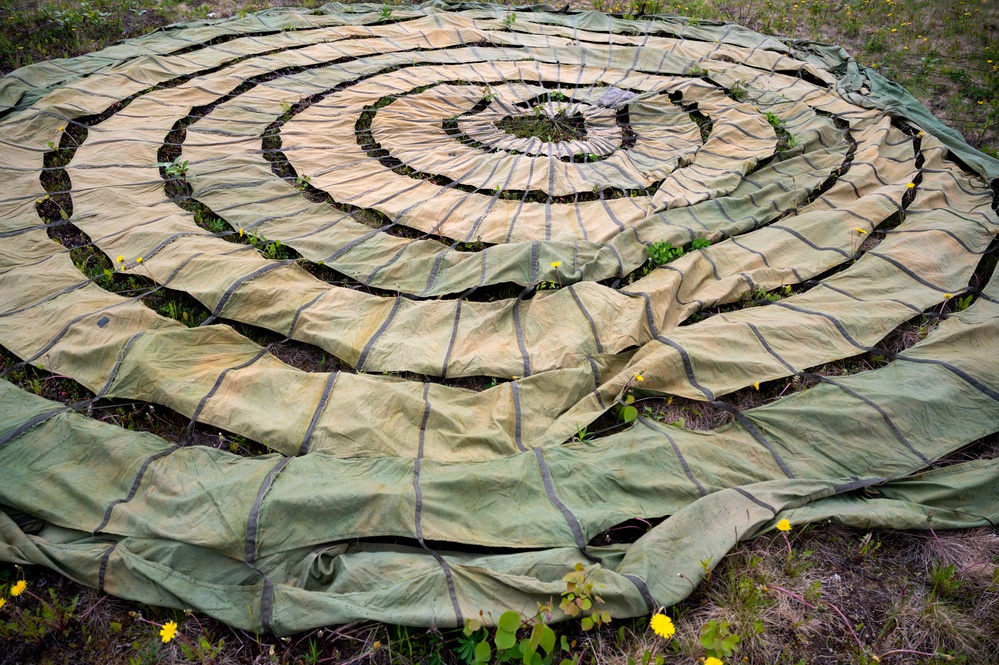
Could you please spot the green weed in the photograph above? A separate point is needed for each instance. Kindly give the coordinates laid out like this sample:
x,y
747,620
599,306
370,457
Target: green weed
x,y
738,91
662,252
174,169
785,140
32,618
718,639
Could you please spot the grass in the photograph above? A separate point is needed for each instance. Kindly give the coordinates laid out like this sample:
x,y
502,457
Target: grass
x,y
63,29
551,129
900,592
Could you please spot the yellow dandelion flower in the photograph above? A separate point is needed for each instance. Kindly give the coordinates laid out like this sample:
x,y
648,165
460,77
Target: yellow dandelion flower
x,y
3,601
377,645
662,626
948,296
757,385
18,588
980,102
784,525
860,230
121,258
556,264
911,185
712,661
138,260
63,128
894,29
241,232
639,377
168,631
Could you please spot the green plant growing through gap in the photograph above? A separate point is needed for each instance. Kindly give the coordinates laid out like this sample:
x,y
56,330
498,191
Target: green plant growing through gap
x,y
174,169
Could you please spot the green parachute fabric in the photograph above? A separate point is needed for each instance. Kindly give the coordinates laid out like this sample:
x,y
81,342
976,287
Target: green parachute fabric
x,y
301,127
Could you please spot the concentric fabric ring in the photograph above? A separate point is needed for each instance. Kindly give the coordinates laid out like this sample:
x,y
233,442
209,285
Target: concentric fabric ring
x,y
375,149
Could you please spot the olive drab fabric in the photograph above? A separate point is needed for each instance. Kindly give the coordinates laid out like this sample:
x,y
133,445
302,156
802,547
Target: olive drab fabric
x,y
375,147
